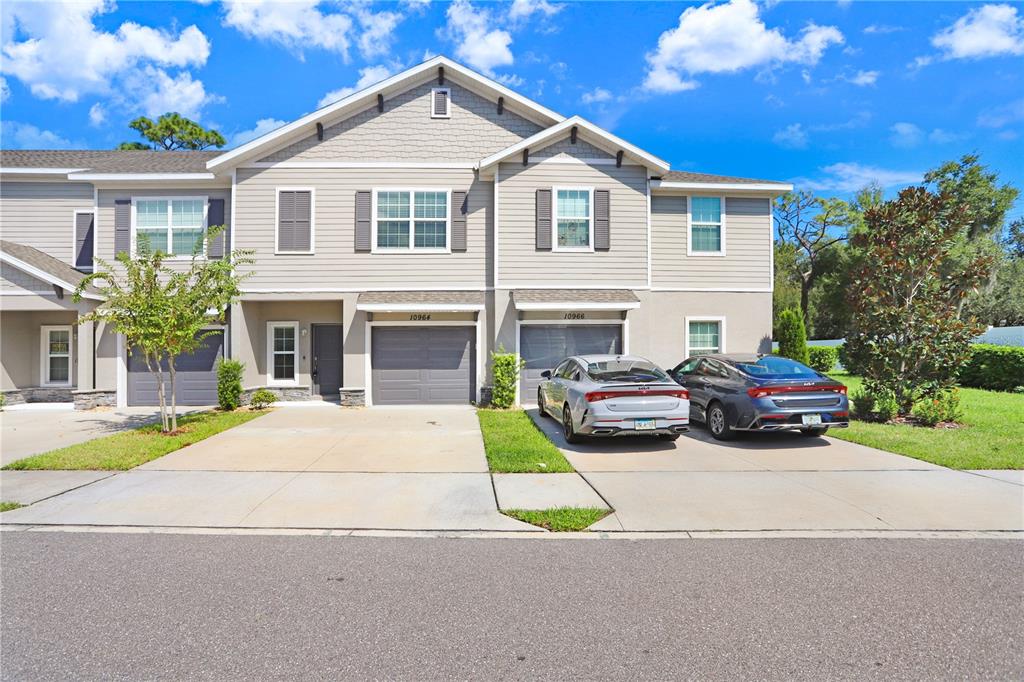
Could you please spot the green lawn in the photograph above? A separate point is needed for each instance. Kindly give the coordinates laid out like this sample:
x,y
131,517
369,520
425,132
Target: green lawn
x,y
8,506
515,445
560,519
129,449
992,436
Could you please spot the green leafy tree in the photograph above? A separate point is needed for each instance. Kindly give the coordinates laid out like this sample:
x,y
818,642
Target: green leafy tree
x,y
172,131
793,337
133,147
162,311
786,292
906,333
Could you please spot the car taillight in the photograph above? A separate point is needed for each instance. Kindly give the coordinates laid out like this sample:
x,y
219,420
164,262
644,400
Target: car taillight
x,y
596,396
762,391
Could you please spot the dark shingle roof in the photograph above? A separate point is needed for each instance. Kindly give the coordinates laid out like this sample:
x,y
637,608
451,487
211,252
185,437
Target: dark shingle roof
x,y
613,296
422,297
687,176
112,161
44,262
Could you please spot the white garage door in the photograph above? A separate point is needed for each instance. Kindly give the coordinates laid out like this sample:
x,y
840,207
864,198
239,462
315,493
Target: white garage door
x,y
543,346
413,365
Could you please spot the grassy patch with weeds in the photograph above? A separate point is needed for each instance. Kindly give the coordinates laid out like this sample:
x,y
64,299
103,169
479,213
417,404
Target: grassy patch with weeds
x,y
992,435
560,519
515,445
8,506
129,449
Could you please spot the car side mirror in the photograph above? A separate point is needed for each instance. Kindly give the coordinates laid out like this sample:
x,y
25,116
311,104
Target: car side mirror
x,y
546,374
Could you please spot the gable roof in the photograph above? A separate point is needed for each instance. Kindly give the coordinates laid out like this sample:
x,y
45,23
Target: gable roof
x,y
358,101
108,161
44,266
559,130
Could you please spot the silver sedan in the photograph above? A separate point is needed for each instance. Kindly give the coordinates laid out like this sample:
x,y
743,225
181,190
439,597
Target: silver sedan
x,y
613,395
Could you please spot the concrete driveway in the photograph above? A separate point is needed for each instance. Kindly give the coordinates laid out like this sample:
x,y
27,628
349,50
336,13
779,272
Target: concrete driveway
x,y
783,481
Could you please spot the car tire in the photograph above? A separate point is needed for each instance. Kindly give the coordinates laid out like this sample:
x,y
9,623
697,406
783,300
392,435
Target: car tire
x,y
814,432
668,436
717,422
540,403
568,430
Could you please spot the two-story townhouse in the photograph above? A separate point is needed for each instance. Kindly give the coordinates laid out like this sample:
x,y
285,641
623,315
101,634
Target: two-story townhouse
x,y
400,235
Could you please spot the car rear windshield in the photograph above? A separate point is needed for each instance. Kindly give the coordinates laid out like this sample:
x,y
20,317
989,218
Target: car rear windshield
x,y
626,370
774,367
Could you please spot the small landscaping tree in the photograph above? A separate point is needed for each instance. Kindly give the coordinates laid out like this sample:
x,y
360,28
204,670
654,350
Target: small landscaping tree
x,y
162,311
793,336
229,384
505,368
906,335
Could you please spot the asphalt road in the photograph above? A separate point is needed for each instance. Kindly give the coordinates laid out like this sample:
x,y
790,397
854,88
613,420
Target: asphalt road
x,y
133,606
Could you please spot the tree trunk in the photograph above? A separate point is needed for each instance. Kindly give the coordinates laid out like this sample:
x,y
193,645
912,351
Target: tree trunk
x,y
174,398
155,369
805,295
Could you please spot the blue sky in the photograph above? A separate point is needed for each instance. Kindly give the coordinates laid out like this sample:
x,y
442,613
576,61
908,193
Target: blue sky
x,y
828,94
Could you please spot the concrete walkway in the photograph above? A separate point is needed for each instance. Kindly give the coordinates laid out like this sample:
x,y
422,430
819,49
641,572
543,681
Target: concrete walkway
x,y
28,487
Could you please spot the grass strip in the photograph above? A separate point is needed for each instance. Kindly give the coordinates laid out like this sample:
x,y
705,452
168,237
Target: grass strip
x,y
560,519
8,506
514,444
129,449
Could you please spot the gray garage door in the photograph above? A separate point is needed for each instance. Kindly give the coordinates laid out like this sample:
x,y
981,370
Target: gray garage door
x,y
196,381
413,365
543,346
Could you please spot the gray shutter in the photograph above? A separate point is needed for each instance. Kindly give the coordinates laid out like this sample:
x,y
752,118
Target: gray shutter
x,y
602,221
122,226
459,210
295,221
215,217
363,208
286,221
543,220
303,221
83,240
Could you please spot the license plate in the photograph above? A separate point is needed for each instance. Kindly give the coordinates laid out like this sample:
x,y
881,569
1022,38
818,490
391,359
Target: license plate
x,y
644,424
811,419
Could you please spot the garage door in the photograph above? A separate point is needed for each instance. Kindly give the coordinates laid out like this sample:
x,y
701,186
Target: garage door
x,y
543,346
412,365
196,380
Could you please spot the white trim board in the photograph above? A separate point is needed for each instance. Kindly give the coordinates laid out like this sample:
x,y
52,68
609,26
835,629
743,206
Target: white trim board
x,y
420,307
777,187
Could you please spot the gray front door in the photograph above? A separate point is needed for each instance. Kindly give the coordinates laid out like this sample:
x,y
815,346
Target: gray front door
x,y
544,346
412,365
327,360
196,380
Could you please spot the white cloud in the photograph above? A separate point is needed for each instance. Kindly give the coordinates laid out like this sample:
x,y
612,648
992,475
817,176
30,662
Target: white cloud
x,y
378,31
263,126
727,38
850,177
157,92
986,31
97,115
596,95
1000,117
863,78
940,136
58,52
367,77
477,43
418,6
524,9
27,136
295,25
882,29
512,80
905,135
792,137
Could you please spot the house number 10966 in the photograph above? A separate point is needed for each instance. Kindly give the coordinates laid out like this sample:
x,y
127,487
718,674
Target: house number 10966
x,y
420,317
573,316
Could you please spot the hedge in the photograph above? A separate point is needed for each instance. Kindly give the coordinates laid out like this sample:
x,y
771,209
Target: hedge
x,y
823,358
792,336
997,368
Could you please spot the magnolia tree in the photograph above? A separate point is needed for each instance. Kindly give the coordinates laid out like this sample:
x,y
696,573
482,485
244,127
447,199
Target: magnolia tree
x,y
165,312
906,331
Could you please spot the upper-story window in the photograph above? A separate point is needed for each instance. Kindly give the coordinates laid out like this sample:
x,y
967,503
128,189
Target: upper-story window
x,y
574,220
707,233
174,225
412,220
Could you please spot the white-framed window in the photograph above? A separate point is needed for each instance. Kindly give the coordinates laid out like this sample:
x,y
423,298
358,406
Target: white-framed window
x,y
707,226
705,335
440,103
55,355
282,353
573,219
174,225
411,220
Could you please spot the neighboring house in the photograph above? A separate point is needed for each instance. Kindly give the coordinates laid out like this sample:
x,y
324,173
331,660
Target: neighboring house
x,y
400,235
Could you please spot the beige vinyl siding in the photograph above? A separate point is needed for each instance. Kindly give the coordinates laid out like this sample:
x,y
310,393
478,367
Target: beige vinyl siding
x,y
565,149
335,264
41,214
406,132
13,280
748,244
519,262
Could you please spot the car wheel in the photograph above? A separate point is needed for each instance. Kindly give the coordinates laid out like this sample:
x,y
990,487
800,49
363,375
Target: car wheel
x,y
540,403
814,432
567,428
718,423
668,436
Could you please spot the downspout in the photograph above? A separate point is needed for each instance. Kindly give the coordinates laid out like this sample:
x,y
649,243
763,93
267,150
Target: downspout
x,y
94,344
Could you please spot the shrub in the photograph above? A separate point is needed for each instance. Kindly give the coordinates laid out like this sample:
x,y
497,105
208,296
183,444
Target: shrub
x,y
823,358
997,368
874,404
793,336
945,407
229,384
262,399
506,368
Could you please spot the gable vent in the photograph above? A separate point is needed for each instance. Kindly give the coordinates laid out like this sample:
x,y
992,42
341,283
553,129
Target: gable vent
x,y
440,103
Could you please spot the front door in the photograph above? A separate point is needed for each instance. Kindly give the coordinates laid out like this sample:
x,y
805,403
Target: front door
x,y
327,360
